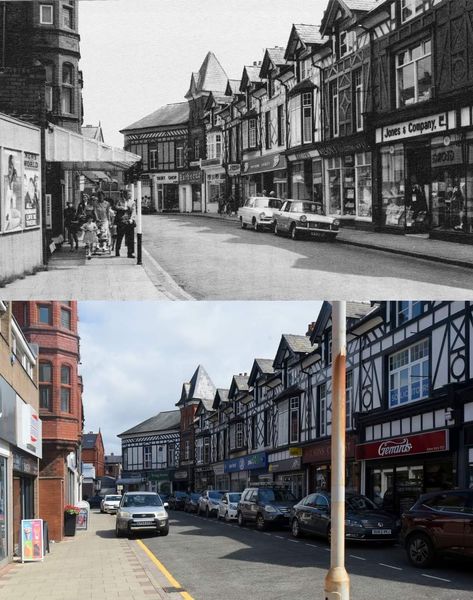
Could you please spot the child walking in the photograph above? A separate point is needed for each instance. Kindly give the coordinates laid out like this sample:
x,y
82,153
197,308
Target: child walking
x,y
90,236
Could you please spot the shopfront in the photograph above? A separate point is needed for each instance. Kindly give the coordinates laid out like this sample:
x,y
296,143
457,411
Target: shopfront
x,y
166,192
234,183
426,177
221,479
288,472
246,469
190,191
316,459
265,174
398,470
215,189
181,480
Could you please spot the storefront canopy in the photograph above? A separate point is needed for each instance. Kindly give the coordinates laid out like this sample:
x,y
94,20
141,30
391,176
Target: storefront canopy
x,y
74,151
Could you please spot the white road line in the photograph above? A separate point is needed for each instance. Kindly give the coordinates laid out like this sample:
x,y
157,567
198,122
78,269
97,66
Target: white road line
x,y
358,557
390,566
280,537
294,541
437,578
311,545
267,534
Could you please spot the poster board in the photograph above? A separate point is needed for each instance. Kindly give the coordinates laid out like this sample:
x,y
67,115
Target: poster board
x,y
82,520
32,541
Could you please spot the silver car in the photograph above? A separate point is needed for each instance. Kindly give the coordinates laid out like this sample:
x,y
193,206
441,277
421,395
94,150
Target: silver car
x,y
141,511
258,212
228,505
110,503
298,218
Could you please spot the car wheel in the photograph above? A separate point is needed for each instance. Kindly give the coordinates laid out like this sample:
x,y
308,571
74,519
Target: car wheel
x,y
260,522
164,531
255,225
241,520
293,232
242,225
118,533
226,517
420,550
296,529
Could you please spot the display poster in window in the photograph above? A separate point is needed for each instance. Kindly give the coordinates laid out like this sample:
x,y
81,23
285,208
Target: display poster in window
x,y
31,537
31,189
11,198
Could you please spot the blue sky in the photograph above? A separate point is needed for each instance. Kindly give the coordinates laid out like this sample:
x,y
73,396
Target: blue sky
x,y
138,55
136,356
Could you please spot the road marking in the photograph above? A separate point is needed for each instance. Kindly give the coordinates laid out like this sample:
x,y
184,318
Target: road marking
x,y
390,566
280,537
437,578
358,557
311,545
164,571
264,533
294,541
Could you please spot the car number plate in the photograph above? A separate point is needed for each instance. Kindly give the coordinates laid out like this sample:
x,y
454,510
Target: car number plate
x,y
144,522
381,531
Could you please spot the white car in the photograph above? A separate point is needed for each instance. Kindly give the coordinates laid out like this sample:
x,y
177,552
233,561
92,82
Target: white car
x,y
298,218
258,212
110,503
227,507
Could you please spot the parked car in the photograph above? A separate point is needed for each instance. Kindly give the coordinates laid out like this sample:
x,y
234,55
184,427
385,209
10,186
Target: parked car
x,y
94,501
141,511
265,505
228,506
110,503
192,503
364,521
177,500
258,212
299,218
439,523
208,502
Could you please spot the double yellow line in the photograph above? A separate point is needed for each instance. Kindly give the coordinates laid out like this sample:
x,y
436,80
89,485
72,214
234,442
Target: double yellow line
x,y
164,571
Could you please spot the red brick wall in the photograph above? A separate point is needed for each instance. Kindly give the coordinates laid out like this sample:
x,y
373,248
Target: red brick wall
x,y
22,93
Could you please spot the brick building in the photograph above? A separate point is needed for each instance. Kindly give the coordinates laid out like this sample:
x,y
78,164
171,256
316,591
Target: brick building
x,y
113,465
53,327
93,452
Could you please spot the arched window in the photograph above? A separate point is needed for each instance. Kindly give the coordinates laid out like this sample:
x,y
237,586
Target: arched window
x,y
66,386
45,385
67,88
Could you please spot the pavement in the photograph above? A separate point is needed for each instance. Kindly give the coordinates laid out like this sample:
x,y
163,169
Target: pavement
x,y
92,564
418,246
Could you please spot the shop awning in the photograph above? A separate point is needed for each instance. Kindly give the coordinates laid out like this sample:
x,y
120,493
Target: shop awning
x,y
74,151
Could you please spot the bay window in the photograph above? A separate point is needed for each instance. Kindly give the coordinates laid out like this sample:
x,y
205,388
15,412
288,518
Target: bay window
x,y
295,121
294,420
283,423
67,88
414,74
45,385
252,138
409,377
307,121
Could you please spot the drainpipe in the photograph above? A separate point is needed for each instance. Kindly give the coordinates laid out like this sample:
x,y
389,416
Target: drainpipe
x,y
337,581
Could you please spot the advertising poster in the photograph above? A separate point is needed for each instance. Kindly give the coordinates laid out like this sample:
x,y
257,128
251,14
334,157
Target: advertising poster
x,y
31,189
11,191
31,540
82,519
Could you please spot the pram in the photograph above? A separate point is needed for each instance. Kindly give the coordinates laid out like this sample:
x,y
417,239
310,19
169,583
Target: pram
x,y
103,245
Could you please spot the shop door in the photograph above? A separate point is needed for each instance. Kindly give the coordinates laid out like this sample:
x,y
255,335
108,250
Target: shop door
x,y
418,189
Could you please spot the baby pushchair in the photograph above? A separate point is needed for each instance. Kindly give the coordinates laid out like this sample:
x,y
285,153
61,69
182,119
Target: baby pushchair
x,y
103,245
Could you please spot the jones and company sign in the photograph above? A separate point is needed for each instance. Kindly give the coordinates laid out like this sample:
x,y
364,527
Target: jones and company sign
x,y
406,445
426,125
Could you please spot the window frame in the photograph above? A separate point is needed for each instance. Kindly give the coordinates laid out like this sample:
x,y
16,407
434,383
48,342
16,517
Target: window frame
x,y
252,133
68,10
47,307
45,384
67,88
307,117
66,389
41,14
398,373
294,420
66,311
413,61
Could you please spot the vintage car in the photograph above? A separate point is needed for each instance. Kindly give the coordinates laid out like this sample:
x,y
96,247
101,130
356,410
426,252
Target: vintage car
x,y
299,218
258,212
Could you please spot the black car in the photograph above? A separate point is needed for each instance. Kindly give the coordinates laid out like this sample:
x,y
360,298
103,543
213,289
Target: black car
x,y
265,505
177,500
192,503
94,501
364,521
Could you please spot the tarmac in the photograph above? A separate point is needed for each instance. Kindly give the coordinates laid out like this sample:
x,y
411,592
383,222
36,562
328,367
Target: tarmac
x,y
92,564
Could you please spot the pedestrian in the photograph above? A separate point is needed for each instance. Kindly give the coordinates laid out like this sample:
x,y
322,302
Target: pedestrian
x,y
71,225
90,207
113,229
125,222
90,236
272,194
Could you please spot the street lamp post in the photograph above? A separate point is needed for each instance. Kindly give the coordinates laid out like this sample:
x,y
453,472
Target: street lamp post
x,y
139,226
337,582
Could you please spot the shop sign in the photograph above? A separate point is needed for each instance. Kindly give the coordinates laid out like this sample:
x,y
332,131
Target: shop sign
x,y
264,163
28,428
215,177
180,475
159,477
210,162
447,156
190,177
422,443
234,169
166,178
31,540
322,452
289,464
244,463
24,464
407,129
295,451
218,469
343,147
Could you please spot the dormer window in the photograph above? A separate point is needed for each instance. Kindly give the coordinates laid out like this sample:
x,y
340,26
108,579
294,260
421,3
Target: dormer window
x,y
346,43
413,8
304,69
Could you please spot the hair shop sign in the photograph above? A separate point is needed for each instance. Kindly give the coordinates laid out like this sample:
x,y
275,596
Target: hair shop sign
x,y
407,445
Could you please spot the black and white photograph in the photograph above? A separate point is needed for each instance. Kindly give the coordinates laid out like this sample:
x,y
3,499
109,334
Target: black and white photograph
x,y
236,299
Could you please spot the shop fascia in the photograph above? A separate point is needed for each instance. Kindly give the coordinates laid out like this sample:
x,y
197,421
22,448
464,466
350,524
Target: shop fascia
x,y
246,463
428,125
262,164
405,445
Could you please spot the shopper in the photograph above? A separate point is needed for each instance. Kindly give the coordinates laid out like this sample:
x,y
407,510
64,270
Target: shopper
x,y
71,225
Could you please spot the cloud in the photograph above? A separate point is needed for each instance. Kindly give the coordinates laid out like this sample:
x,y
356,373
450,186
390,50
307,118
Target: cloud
x,y
136,356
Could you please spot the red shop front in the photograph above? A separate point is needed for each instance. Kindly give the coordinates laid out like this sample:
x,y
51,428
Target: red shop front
x,y
317,458
398,470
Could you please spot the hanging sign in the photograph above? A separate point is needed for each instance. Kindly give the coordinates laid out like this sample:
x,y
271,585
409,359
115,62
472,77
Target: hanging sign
x,y
31,537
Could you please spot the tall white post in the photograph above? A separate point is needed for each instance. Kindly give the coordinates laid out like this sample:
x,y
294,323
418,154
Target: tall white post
x,y
139,223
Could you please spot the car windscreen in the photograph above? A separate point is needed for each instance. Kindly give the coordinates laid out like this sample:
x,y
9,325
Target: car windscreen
x,y
275,203
360,503
137,500
276,496
307,207
215,495
108,498
234,497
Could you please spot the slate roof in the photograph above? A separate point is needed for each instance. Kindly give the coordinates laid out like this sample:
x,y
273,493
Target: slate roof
x,y
299,344
113,459
265,365
210,78
252,73
309,34
201,386
221,397
276,55
234,85
363,5
241,382
357,310
163,421
170,114
89,440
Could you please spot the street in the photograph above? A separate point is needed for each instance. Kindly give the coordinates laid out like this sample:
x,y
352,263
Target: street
x,y
212,560
211,259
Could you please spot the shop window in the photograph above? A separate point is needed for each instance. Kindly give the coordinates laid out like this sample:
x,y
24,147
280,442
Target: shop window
x,y
294,420
65,317
252,133
46,14
409,379
45,314
66,388
45,377
281,125
267,130
67,88
414,74
393,186
307,120
358,99
413,8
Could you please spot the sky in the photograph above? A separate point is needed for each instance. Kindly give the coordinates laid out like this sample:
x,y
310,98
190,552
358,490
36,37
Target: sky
x,y
136,356
138,55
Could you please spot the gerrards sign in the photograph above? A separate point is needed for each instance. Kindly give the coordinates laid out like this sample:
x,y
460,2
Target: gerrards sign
x,y
406,445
